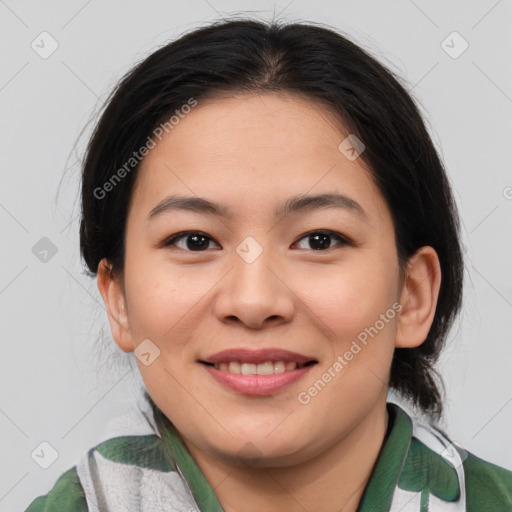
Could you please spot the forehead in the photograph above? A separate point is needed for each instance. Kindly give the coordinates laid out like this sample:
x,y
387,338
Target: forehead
x,y
254,150
293,117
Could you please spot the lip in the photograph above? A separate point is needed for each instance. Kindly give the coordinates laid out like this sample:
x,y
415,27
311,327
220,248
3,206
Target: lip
x,y
257,385
244,355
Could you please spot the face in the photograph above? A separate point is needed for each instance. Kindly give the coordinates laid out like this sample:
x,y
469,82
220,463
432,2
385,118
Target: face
x,y
306,298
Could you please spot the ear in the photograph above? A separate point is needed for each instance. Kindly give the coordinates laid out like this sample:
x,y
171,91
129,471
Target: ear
x,y
111,289
418,298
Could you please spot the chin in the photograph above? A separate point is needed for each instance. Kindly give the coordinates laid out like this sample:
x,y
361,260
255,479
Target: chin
x,y
254,451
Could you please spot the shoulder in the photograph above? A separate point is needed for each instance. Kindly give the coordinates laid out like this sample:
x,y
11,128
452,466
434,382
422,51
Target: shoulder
x,y
483,486
128,448
119,471
453,474
488,487
121,465
66,494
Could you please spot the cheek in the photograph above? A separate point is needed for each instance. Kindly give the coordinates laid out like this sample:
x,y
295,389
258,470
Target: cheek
x,y
163,299
352,297
362,320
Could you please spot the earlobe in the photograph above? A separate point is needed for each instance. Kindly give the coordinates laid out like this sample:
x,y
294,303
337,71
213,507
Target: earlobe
x,y
418,298
111,290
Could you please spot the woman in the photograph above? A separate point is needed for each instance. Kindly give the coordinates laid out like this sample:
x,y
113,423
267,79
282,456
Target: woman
x,y
275,238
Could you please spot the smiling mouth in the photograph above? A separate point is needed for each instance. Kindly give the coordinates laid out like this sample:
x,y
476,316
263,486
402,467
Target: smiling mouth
x,y
265,368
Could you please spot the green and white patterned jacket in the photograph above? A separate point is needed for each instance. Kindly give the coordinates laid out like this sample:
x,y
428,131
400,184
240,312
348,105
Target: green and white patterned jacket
x,y
418,470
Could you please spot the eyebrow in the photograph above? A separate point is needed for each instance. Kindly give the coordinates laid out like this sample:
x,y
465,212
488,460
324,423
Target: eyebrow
x,y
295,204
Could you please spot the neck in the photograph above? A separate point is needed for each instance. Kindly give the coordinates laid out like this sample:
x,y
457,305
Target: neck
x,y
334,480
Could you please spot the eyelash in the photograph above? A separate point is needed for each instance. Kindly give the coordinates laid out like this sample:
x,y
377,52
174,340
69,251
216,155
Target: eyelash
x,y
171,241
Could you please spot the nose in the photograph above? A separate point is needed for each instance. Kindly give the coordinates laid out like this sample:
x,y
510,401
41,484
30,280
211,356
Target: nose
x,y
255,293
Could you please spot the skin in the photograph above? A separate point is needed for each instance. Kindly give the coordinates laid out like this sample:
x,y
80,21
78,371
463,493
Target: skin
x,y
251,153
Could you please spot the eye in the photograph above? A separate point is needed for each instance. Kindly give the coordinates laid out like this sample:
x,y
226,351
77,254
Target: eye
x,y
321,239
195,241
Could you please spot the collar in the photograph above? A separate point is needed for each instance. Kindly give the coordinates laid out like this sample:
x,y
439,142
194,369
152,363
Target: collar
x,y
386,472
379,489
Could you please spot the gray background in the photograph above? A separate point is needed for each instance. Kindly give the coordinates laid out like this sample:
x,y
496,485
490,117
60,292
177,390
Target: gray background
x,y
57,384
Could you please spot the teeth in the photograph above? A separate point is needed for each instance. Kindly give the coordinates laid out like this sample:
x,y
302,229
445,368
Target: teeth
x,y
249,369
266,368
280,367
234,367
